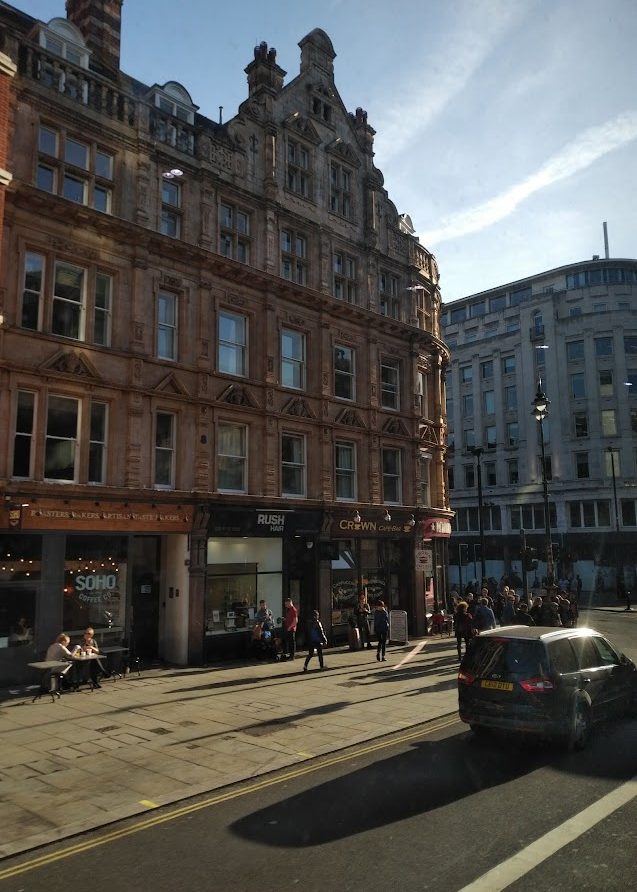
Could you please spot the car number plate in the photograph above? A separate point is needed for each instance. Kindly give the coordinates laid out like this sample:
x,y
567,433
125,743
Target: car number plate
x,y
497,685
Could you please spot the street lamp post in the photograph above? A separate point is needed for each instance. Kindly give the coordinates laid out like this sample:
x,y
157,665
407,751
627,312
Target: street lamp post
x,y
539,411
477,451
618,575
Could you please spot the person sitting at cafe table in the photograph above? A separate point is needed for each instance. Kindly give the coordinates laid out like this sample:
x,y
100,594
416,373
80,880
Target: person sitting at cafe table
x,y
89,646
60,652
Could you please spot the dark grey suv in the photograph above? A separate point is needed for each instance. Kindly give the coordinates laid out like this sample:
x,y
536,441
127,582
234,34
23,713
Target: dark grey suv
x,y
545,681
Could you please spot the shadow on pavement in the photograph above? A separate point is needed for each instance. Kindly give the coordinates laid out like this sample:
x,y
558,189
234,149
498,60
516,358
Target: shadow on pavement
x,y
431,775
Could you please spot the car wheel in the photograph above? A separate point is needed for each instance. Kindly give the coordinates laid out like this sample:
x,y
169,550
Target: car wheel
x,y
581,726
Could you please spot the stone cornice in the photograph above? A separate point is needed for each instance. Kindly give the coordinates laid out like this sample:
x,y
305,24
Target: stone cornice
x,y
7,65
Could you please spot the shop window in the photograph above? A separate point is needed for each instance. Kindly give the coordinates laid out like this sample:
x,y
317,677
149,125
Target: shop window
x,y
20,571
95,577
235,585
232,357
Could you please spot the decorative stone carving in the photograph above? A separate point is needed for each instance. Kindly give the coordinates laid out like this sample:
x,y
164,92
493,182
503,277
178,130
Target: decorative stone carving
x,y
71,364
396,427
235,395
351,418
297,406
172,384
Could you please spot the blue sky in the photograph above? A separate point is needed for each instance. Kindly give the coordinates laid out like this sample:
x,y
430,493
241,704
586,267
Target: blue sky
x,y
506,129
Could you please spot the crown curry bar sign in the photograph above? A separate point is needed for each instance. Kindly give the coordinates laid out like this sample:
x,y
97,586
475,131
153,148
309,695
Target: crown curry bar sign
x,y
50,514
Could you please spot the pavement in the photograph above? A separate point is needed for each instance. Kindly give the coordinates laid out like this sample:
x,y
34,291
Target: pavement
x,y
142,742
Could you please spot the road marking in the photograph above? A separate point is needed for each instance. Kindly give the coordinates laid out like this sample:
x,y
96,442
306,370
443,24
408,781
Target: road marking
x,y
517,866
155,821
412,653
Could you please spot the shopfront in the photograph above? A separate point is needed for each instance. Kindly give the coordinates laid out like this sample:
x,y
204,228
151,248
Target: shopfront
x,y
375,557
68,566
255,554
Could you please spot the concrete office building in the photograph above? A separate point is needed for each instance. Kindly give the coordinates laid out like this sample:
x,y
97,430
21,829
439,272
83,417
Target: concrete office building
x,y
575,328
220,354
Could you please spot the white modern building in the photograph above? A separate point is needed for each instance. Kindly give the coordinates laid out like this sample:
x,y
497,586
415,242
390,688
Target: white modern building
x,y
574,329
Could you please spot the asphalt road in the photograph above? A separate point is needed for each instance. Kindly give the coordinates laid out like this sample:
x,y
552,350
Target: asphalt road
x,y
431,808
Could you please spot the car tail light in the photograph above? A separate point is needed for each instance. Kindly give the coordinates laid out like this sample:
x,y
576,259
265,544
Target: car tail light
x,y
466,677
537,685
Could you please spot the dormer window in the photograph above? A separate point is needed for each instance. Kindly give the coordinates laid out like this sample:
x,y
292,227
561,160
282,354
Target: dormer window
x,y
172,99
61,38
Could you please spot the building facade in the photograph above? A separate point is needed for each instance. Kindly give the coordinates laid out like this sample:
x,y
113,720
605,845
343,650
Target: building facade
x,y
574,329
221,365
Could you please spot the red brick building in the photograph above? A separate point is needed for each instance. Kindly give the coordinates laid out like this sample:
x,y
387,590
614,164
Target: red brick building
x,y
221,366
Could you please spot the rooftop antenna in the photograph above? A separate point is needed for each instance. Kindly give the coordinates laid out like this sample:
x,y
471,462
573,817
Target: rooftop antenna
x,y
606,254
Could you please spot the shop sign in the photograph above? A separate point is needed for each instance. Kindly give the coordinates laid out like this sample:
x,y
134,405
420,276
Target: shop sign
x,y
378,528
436,528
261,523
49,514
424,560
274,523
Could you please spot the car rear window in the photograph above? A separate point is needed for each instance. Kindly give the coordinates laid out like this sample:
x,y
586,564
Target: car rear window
x,y
505,655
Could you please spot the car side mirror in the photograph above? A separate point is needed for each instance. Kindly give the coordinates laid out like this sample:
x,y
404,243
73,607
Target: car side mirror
x,y
626,661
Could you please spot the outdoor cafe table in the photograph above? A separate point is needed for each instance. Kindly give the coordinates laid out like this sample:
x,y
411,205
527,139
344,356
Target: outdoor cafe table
x,y
112,659
80,672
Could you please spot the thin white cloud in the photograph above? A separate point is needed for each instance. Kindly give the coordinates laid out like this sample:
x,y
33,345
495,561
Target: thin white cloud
x,y
433,80
584,150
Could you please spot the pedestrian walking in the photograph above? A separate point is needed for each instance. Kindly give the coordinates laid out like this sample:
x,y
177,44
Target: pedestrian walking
x,y
290,622
362,612
462,626
483,617
381,630
316,640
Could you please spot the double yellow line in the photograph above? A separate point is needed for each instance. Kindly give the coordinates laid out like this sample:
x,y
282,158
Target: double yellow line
x,y
147,823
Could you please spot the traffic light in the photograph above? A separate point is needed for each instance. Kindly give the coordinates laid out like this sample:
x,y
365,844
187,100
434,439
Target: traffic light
x,y
530,559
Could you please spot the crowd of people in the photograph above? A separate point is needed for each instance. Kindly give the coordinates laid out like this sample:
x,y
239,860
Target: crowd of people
x,y
476,613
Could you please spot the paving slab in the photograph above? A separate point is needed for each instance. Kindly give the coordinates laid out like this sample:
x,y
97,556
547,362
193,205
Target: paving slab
x,y
170,733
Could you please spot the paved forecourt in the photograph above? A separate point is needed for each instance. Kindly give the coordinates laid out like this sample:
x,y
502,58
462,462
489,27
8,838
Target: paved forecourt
x,y
140,742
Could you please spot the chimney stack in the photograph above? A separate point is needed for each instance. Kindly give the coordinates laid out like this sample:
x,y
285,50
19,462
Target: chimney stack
x,y
100,22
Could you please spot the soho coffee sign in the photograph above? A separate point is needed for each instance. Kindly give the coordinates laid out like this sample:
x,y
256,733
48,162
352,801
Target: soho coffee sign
x,y
96,587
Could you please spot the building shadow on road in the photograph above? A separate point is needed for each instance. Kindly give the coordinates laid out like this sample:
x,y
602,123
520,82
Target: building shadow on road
x,y
430,776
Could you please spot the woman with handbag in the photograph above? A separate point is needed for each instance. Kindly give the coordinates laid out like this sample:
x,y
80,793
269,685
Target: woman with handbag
x,y
317,639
